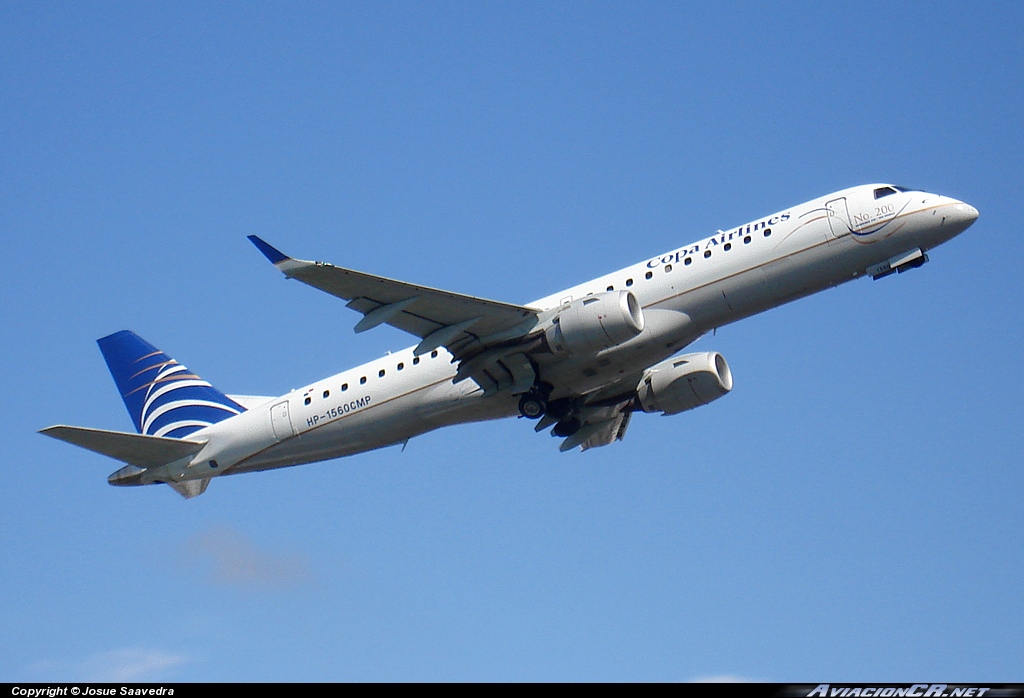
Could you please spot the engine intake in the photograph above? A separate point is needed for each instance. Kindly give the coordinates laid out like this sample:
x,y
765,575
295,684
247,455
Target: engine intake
x,y
685,382
597,322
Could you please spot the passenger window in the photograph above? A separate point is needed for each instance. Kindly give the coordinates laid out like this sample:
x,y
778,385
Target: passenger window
x,y
728,246
362,381
668,268
380,373
327,394
344,387
687,261
307,400
611,288
746,240
401,366
767,232
648,274
707,253
433,354
415,360
629,282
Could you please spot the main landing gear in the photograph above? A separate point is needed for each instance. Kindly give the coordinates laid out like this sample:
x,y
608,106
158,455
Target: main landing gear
x,y
565,416
534,404
561,413
566,426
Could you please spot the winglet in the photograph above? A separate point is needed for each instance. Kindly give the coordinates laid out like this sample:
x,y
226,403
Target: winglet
x,y
275,255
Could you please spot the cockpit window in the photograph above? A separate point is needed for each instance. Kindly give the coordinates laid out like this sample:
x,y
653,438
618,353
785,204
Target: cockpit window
x,y
899,188
884,191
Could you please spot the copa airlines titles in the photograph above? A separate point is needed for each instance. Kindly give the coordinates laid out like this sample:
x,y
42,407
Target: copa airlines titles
x,y
720,239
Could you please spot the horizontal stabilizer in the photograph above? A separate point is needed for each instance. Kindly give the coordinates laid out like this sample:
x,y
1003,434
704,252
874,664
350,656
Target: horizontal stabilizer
x,y
134,449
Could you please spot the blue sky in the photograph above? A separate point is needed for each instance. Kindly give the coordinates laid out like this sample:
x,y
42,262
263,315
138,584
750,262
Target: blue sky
x,y
851,510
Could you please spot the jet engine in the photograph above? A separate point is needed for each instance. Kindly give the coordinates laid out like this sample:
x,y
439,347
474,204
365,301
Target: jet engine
x,y
596,322
684,382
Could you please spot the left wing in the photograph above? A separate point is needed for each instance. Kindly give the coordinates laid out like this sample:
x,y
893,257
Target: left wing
x,y
465,325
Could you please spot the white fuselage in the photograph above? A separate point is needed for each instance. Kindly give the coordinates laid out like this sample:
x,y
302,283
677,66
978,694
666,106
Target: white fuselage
x,y
684,293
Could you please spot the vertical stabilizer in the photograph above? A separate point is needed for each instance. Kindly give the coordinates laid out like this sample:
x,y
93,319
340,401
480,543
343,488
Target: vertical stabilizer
x,y
163,397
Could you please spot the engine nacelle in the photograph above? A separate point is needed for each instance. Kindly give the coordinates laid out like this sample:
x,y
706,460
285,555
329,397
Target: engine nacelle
x,y
597,322
685,382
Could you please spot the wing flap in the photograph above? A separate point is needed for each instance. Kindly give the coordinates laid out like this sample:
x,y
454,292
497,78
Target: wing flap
x,y
135,449
612,431
601,426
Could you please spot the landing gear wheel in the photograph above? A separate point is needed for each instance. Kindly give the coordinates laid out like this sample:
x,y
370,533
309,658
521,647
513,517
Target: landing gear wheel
x,y
532,406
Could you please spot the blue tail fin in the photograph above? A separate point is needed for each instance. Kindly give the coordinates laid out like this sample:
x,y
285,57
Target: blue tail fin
x,y
163,397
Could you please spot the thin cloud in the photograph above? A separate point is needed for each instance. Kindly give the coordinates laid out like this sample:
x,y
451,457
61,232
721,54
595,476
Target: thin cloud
x,y
117,666
232,559
130,665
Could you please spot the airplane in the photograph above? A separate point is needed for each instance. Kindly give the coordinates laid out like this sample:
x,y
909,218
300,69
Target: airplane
x,y
579,362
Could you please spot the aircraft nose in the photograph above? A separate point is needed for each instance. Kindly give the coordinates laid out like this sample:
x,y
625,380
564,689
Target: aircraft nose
x,y
967,213
962,214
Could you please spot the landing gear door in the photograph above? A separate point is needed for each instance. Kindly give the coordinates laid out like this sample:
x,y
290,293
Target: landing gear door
x,y
281,421
839,217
